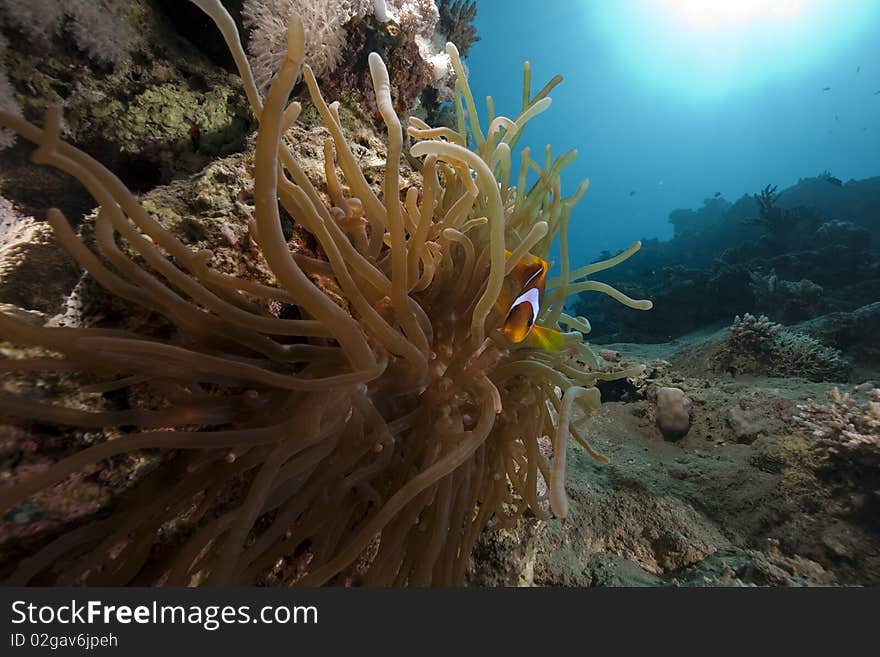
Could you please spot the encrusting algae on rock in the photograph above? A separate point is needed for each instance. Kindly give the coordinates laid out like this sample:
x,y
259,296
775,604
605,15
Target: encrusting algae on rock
x,y
299,435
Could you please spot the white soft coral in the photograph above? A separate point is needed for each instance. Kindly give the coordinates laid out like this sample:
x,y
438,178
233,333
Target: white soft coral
x,y
99,27
324,24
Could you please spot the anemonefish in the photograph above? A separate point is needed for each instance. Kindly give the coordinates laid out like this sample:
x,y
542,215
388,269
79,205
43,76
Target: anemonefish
x,y
520,302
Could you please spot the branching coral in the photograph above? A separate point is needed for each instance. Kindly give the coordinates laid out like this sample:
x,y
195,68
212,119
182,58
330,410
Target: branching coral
x,y
753,333
798,354
758,346
418,17
369,443
848,431
779,222
456,22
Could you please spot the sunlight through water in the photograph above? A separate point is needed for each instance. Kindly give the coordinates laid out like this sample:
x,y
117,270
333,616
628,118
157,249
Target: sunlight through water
x,y
711,48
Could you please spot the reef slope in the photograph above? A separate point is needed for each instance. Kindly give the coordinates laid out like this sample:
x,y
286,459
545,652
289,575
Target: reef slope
x,y
742,499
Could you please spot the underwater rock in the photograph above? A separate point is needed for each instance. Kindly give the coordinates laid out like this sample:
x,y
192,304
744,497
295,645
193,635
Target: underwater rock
x,y
673,413
853,332
767,567
787,301
654,534
846,234
747,423
135,95
35,272
506,557
609,355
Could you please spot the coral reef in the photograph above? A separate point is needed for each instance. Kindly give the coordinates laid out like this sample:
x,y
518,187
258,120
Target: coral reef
x,y
746,497
796,354
349,412
151,108
324,28
752,333
408,35
756,345
853,332
848,431
411,74
779,222
418,17
815,252
97,27
788,301
456,22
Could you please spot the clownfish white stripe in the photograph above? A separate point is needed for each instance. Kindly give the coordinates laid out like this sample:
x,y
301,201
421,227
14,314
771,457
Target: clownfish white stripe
x,y
531,296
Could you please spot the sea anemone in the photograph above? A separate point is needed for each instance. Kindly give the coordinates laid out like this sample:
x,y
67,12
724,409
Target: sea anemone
x,y
363,438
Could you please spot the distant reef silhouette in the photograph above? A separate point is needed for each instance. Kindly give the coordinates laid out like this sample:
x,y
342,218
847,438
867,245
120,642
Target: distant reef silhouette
x,y
805,253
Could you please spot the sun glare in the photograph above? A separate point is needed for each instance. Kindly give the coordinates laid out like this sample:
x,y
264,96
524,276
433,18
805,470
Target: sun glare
x,y
708,49
720,14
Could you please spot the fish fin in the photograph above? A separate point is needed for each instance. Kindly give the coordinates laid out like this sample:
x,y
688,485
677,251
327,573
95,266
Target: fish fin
x,y
544,338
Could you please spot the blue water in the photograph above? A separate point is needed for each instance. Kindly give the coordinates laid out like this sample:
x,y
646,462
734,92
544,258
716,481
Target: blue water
x,y
666,110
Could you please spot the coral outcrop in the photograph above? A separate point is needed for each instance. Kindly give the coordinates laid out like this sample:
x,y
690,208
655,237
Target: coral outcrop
x,y
456,22
849,433
408,34
324,24
135,95
755,345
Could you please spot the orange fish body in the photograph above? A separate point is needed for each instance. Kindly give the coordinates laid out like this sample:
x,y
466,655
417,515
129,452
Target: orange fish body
x,y
520,301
